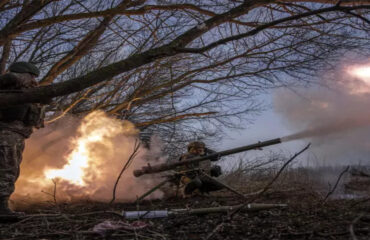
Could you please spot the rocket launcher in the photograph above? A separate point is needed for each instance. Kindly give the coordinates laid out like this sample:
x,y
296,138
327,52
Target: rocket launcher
x,y
169,166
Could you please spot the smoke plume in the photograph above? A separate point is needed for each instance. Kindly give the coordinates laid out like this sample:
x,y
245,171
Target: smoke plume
x,y
81,159
335,118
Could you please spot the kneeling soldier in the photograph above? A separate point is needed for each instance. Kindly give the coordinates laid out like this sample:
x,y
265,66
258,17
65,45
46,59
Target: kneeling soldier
x,y
193,178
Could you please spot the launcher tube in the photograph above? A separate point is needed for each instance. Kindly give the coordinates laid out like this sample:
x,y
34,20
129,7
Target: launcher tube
x,y
168,166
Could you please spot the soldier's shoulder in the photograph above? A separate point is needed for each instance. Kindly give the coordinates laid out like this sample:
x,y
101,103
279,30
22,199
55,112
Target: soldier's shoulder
x,y
7,76
9,80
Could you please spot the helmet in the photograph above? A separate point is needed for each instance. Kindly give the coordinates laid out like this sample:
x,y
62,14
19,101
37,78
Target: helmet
x,y
196,145
24,67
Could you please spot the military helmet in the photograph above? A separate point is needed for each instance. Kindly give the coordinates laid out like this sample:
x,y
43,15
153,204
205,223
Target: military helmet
x,y
24,67
196,144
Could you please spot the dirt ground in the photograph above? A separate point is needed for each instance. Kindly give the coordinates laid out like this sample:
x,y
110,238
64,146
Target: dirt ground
x,y
306,217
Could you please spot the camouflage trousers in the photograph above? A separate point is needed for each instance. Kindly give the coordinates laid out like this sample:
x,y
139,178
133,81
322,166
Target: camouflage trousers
x,y
11,149
203,184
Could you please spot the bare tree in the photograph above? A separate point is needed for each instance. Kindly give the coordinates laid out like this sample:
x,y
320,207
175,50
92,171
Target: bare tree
x,y
161,63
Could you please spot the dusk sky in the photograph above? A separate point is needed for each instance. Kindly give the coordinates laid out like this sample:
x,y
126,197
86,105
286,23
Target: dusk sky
x,y
267,125
338,116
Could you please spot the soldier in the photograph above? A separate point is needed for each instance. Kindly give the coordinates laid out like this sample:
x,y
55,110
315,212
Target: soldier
x,y
16,124
194,180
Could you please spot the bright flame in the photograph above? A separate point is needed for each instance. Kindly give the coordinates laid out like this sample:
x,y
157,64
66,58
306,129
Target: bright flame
x,y
361,84
88,166
362,72
95,129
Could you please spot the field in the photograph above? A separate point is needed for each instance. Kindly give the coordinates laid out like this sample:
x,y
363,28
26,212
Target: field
x,y
308,216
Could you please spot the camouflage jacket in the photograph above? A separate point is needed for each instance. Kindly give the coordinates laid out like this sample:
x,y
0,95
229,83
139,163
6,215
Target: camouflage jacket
x,y
21,118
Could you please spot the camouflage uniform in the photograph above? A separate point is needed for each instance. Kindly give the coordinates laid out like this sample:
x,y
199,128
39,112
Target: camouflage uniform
x,y
11,149
16,124
194,180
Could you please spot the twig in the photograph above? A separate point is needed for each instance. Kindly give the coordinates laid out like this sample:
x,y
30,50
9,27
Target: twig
x,y
356,172
278,174
224,185
217,228
360,202
127,164
326,234
54,194
271,191
351,227
336,184
72,105
261,192
139,199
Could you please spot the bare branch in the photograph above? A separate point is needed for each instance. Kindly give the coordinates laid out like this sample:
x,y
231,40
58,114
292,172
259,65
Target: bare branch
x,y
137,60
173,119
127,164
336,184
352,226
24,15
270,24
5,56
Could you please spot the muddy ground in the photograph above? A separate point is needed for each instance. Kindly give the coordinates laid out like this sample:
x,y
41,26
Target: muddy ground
x,y
306,217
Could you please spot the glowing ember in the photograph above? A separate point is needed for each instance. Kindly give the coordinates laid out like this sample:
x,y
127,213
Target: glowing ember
x,y
95,129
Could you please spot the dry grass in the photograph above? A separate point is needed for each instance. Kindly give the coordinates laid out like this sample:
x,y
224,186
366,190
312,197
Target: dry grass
x,y
303,189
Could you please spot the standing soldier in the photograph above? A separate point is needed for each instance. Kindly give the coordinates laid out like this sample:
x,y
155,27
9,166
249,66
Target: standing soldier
x,y
16,124
193,178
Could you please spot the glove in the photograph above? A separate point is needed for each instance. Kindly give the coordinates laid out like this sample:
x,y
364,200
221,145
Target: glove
x,y
209,152
216,171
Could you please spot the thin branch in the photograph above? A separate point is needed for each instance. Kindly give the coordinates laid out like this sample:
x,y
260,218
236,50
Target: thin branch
x,y
260,193
224,185
279,173
271,24
351,227
70,107
3,3
358,16
54,194
26,13
132,62
127,164
336,184
5,55
118,11
173,119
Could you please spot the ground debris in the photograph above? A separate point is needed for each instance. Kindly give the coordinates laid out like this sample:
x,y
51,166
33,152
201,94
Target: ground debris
x,y
108,226
305,218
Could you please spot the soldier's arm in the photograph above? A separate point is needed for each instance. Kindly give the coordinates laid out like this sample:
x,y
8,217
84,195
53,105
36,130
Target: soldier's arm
x,y
9,81
209,152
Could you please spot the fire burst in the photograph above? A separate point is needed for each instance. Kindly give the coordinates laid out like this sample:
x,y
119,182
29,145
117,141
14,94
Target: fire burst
x,y
360,71
95,129
361,83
